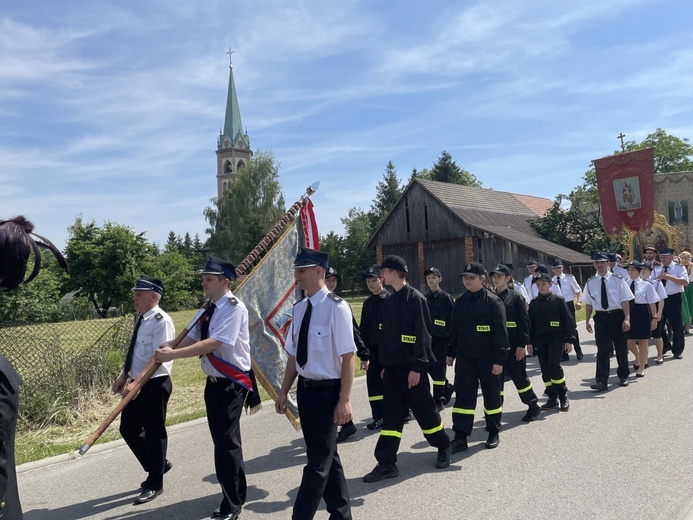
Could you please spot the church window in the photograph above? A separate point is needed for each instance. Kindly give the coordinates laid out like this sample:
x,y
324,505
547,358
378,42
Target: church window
x,y
228,168
241,164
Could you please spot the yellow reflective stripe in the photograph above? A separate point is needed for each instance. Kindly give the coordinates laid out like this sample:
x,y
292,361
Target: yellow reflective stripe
x,y
433,430
511,324
439,383
555,323
375,397
380,326
440,323
464,411
493,412
523,390
502,392
547,383
483,328
558,381
408,339
391,433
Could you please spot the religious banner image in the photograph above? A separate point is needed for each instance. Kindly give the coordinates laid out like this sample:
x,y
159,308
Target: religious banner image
x,y
626,190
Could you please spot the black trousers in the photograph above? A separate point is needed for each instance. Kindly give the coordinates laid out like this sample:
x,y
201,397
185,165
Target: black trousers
x,y
323,475
673,314
438,370
517,372
398,396
374,383
550,351
224,402
9,403
608,333
470,372
143,427
576,341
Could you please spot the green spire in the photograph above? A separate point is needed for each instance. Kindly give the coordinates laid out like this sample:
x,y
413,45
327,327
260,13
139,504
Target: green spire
x,y
233,127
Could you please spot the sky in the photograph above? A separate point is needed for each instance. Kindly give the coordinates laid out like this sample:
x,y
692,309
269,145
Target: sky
x,y
111,110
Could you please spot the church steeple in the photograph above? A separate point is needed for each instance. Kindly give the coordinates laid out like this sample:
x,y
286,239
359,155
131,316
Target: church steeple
x,y
233,145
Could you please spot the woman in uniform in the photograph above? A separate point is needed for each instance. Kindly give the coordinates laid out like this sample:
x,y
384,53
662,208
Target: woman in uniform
x,y
643,316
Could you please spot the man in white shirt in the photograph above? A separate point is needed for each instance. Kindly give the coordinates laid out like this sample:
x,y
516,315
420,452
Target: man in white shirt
x,y
570,290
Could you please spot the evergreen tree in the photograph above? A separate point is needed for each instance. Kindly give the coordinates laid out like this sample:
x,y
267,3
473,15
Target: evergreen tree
x,y
447,170
387,192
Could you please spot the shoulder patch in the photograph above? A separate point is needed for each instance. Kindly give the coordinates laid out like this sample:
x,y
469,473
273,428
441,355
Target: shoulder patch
x,y
159,316
233,300
617,276
590,278
334,297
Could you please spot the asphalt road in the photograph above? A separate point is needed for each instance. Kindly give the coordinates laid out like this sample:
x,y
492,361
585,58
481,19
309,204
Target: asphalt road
x,y
624,454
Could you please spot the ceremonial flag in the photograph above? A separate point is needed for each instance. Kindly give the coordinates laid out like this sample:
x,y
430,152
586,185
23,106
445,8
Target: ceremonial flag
x,y
269,293
626,190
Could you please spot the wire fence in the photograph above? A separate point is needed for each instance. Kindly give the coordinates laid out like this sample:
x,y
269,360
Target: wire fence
x,y
61,362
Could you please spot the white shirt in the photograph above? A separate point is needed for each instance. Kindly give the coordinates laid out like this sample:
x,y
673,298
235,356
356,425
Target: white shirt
x,y
673,269
229,325
621,271
520,288
569,286
644,292
617,291
156,329
528,284
534,292
659,288
330,336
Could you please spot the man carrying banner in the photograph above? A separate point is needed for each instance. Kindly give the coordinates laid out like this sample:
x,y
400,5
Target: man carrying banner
x,y
674,278
221,341
321,350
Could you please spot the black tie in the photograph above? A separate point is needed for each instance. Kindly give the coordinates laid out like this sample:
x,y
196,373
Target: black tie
x,y
204,328
131,348
632,287
558,281
664,282
605,296
302,348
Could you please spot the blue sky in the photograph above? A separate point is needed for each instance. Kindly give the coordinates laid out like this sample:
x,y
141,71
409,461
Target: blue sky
x,y
111,110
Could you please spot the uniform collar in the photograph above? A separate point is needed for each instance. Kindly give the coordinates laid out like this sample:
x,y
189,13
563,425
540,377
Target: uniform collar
x,y
151,312
319,295
224,300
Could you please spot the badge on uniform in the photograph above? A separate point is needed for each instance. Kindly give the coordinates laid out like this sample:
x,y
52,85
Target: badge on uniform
x,y
159,316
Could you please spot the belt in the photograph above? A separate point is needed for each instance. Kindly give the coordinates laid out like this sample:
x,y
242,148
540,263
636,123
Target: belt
x,y
317,383
610,312
215,379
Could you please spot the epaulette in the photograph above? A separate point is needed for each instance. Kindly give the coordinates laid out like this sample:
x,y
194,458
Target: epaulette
x,y
334,297
299,301
233,300
159,316
590,278
618,276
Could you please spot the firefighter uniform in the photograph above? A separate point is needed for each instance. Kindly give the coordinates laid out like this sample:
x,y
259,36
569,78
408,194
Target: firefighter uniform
x,y
440,307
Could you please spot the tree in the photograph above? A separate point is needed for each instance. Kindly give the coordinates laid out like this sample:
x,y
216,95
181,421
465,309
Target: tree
x,y
387,193
446,169
178,277
105,262
243,215
333,245
357,259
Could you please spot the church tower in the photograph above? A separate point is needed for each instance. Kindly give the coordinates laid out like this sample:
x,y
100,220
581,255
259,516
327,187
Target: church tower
x,y
233,145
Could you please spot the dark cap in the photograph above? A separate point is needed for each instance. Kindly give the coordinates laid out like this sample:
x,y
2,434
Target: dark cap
x,y
502,269
373,272
635,264
651,248
542,276
433,270
600,257
331,271
216,265
667,251
310,258
647,265
612,257
147,283
394,262
541,268
557,263
532,263
508,265
473,269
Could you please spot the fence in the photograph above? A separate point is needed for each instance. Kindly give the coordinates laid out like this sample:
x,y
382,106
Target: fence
x,y
61,362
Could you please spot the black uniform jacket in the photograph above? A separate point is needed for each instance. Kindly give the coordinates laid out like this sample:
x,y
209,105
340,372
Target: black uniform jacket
x,y
440,307
406,333
478,327
372,319
549,319
516,318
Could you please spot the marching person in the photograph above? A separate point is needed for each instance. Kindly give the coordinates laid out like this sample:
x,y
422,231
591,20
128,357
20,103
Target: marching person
x,y
650,255
143,422
646,274
405,355
551,332
221,340
609,296
479,348
321,350
674,278
517,324
643,316
10,381
615,265
531,268
440,308
332,278
371,322
519,287
570,291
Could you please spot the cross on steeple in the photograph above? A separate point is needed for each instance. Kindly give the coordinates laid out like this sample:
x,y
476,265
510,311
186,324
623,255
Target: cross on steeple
x,y
619,136
230,53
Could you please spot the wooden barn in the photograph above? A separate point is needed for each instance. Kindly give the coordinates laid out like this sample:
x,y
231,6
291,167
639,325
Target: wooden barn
x,y
436,224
